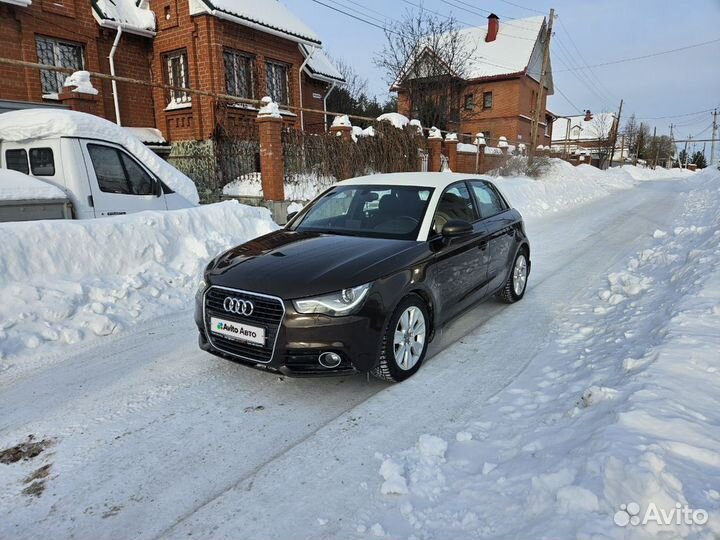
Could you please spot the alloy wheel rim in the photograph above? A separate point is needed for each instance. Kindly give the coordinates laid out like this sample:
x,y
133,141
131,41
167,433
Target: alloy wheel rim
x,y
520,275
409,338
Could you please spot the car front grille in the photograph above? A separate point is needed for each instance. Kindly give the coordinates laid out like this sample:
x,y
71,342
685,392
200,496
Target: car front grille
x,y
268,312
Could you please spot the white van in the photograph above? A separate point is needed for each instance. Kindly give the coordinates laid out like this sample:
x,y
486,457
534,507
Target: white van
x,y
93,161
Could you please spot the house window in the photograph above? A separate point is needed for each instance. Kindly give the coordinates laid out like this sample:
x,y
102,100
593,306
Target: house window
x,y
176,75
239,76
487,100
469,102
276,81
53,52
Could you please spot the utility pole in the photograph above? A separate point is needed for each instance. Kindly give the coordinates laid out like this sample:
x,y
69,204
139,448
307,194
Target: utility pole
x,y
622,150
714,133
543,77
686,150
657,147
615,134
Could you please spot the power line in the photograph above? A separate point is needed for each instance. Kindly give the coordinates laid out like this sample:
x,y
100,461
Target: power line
x,y
581,76
675,115
364,14
651,55
584,61
381,27
523,7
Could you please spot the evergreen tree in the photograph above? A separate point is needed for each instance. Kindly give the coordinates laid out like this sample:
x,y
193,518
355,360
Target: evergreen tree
x,y
698,158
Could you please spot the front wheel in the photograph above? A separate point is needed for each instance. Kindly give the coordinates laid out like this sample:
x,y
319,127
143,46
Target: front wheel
x,y
516,283
405,341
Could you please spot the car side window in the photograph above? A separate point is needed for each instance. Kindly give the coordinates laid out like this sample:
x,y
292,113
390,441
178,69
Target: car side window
x,y
17,161
42,162
455,203
117,172
489,202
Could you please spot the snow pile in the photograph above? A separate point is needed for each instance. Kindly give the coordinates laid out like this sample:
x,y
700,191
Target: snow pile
x,y
396,119
65,282
269,108
610,432
646,173
341,121
31,124
16,186
80,80
304,187
133,15
562,187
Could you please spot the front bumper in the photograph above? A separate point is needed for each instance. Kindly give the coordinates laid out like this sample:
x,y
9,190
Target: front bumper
x,y
299,339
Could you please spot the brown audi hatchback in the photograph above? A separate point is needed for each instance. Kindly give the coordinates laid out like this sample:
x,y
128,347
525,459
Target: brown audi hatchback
x,y
363,276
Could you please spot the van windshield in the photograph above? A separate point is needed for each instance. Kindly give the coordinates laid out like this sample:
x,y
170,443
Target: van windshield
x,y
376,211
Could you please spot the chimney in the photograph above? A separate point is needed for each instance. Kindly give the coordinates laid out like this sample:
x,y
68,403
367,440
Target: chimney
x,y
493,27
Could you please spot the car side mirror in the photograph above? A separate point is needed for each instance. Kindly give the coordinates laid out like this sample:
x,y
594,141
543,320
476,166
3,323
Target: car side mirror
x,y
158,189
291,215
456,227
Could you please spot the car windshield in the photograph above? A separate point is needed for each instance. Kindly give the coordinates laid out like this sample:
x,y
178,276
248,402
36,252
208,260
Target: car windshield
x,y
377,211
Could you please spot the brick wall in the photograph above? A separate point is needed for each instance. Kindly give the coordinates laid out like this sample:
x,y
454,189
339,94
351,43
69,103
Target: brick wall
x,y
72,21
512,106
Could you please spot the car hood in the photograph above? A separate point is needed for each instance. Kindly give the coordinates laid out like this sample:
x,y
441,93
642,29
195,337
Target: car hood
x,y
293,264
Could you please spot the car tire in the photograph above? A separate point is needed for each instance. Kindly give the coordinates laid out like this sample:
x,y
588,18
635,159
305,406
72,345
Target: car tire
x,y
516,283
410,317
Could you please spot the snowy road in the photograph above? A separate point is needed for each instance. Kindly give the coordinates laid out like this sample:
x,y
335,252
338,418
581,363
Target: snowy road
x,y
152,438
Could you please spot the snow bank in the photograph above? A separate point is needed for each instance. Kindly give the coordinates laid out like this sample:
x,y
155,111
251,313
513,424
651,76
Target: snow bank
x,y
65,282
16,186
29,124
612,425
303,187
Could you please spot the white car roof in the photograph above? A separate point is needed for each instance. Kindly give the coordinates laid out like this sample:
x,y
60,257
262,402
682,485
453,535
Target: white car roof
x,y
438,180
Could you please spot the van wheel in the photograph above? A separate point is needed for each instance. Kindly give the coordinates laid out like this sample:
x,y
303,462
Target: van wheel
x,y
405,341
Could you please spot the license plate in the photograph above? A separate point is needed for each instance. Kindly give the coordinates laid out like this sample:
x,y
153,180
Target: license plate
x,y
238,331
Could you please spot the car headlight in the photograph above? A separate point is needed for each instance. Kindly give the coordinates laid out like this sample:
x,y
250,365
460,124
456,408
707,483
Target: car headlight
x,y
338,303
201,288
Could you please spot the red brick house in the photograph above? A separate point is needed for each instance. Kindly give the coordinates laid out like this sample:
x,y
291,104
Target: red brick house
x,y
244,48
499,90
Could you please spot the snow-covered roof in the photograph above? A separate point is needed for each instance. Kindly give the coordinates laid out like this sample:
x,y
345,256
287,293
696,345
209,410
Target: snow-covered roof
x,y
320,66
147,135
599,127
16,186
33,124
21,3
516,49
265,15
135,16
511,51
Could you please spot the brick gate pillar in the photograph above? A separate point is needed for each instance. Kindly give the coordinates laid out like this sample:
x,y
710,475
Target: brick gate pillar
x,y
451,142
78,101
272,163
434,149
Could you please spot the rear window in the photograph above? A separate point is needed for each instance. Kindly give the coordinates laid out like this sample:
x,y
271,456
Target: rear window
x,y
17,161
42,162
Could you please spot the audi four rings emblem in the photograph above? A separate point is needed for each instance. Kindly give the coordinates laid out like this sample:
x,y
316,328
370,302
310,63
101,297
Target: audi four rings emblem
x,y
238,306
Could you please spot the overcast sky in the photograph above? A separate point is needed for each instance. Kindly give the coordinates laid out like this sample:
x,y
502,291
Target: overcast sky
x,y
602,30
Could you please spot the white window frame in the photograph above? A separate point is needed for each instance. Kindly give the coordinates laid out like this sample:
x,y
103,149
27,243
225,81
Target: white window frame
x,y
286,67
177,99
238,57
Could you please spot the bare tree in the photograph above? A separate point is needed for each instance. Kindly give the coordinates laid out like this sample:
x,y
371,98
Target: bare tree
x,y
427,59
603,130
631,132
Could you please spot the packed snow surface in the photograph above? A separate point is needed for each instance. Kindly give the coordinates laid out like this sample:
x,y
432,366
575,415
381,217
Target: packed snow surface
x,y
33,124
567,415
17,186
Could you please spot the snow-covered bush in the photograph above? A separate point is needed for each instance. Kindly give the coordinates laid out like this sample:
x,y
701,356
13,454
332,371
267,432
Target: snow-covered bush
x,y
521,166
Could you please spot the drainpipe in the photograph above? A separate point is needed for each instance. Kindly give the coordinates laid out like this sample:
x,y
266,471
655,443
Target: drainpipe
x,y
300,72
112,72
334,84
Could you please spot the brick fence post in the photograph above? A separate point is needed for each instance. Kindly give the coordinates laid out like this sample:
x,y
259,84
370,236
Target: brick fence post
x,y
434,150
78,101
451,143
342,131
272,163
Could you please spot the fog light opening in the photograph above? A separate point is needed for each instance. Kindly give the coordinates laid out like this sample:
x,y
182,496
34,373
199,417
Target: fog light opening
x,y
330,360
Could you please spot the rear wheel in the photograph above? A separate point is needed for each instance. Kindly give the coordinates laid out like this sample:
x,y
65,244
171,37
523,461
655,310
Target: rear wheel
x,y
405,341
516,283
